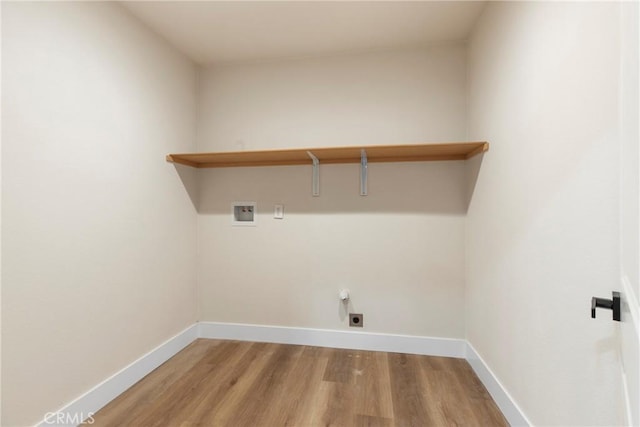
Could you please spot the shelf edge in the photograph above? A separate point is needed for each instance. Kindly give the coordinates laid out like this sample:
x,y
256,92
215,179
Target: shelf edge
x,y
180,161
481,149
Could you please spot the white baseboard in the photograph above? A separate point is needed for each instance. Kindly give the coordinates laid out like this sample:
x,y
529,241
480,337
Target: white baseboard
x,y
501,396
96,398
89,403
447,347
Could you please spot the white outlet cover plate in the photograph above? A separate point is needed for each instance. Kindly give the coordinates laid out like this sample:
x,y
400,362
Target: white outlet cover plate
x,y
278,211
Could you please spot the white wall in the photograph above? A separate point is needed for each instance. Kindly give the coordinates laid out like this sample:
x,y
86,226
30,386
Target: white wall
x,y
399,250
98,231
542,227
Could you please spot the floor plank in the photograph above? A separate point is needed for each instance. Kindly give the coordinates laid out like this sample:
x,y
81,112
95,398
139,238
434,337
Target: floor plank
x,y
410,407
233,383
373,386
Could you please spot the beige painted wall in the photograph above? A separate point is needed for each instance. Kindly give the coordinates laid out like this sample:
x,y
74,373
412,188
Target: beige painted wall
x,y
99,234
400,250
542,227
394,97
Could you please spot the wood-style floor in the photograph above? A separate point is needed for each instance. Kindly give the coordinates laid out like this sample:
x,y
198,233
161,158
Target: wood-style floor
x,y
236,384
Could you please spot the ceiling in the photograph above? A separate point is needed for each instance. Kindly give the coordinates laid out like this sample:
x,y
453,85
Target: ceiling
x,y
232,31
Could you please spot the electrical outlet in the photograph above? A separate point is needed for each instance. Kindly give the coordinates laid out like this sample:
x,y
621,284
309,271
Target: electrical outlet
x,y
356,320
278,211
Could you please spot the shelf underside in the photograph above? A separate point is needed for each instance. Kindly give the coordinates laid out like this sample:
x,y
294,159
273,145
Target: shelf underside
x,y
374,153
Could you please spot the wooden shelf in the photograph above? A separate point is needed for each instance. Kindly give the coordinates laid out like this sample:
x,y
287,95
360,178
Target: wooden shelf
x,y
375,153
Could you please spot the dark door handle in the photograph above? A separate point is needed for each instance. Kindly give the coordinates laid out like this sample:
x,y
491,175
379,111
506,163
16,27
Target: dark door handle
x,y
609,304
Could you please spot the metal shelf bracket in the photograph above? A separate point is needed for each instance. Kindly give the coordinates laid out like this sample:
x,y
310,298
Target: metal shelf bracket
x,y
315,185
363,172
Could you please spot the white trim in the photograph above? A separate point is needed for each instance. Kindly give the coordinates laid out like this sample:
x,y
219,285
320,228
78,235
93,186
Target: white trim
x,y
411,344
630,301
627,399
103,393
630,298
510,409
